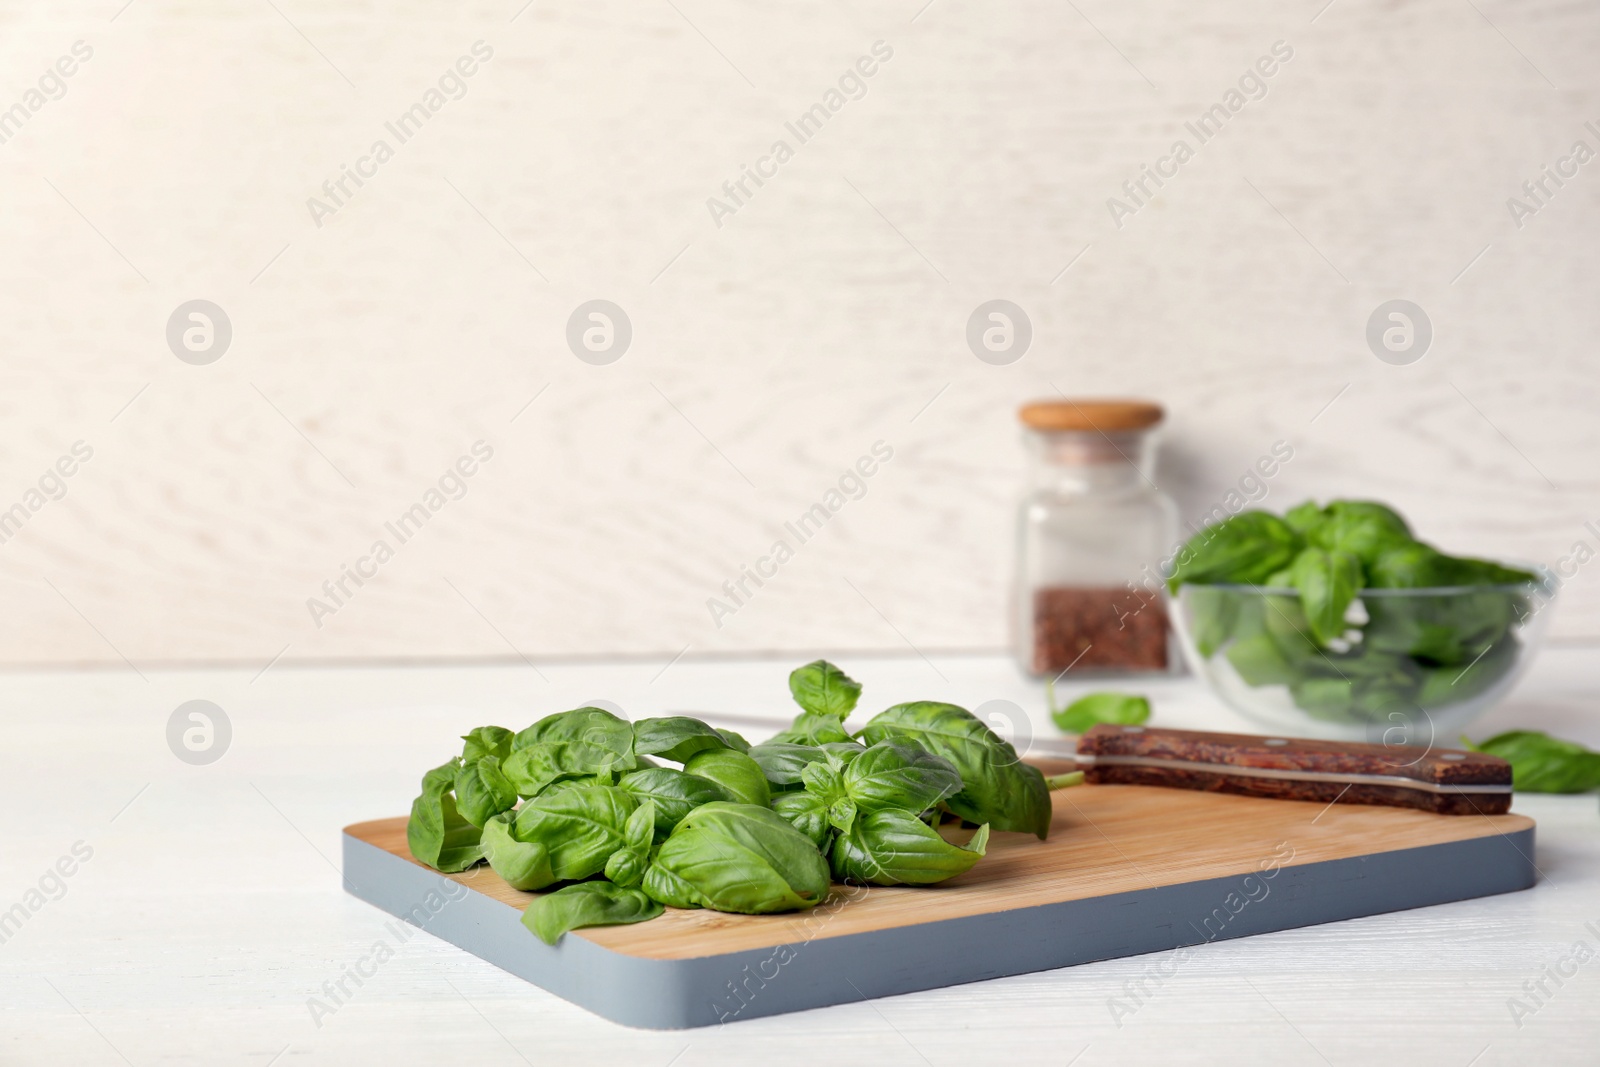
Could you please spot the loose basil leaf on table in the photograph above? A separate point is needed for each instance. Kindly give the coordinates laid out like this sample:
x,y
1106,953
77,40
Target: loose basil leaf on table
x,y
1245,548
997,787
735,772
482,790
578,742
894,847
675,737
486,741
672,793
739,858
587,904
1121,709
1543,764
436,832
1328,580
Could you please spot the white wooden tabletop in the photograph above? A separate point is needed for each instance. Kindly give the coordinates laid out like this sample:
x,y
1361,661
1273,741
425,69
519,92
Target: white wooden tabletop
x,y
204,910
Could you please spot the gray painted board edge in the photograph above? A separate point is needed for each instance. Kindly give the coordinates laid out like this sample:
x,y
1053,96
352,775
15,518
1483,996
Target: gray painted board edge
x,y
704,991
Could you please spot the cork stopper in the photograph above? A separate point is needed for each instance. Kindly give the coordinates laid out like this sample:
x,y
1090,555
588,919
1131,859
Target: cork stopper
x,y
1105,416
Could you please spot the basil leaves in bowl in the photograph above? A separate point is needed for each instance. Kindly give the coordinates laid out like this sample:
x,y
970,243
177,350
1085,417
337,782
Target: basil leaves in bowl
x,y
1337,622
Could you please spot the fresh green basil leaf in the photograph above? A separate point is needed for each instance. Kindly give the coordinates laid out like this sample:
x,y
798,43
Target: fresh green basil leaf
x,y
482,790
520,864
627,864
672,794
734,740
737,858
486,741
735,772
675,737
1470,571
436,833
894,847
1245,548
893,774
812,728
1283,618
1544,764
580,827
1362,528
841,753
593,728
587,904
1326,698
825,782
574,743
1455,683
1122,709
1413,565
1412,626
782,761
1305,517
997,787
808,813
823,689
1259,661
1328,580
1211,615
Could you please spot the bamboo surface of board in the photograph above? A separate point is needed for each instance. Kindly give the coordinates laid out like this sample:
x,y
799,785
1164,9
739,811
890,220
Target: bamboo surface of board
x,y
1104,839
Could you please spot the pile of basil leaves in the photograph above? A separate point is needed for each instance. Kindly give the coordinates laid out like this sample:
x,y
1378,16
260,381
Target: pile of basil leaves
x,y
583,801
1408,655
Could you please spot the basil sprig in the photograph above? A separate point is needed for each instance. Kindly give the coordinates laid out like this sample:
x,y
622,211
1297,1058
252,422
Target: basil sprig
x,y
576,808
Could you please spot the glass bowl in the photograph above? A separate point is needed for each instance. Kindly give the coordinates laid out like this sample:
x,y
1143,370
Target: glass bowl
x,y
1414,666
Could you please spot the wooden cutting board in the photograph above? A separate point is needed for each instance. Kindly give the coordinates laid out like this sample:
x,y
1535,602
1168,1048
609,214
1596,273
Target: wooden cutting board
x,y
1126,870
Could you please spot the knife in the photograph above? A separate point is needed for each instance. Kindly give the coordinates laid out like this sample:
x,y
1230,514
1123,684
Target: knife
x,y
1443,781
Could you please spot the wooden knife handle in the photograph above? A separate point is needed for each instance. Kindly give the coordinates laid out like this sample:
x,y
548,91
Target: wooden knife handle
x,y
1273,766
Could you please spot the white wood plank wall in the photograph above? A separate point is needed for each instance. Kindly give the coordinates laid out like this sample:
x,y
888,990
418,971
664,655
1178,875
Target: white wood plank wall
x,y
825,313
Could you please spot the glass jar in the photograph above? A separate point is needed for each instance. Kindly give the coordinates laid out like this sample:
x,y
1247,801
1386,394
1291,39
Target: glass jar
x,y
1092,535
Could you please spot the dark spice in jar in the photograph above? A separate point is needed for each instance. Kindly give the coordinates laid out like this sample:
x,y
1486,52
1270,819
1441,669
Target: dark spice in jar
x,y
1098,627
